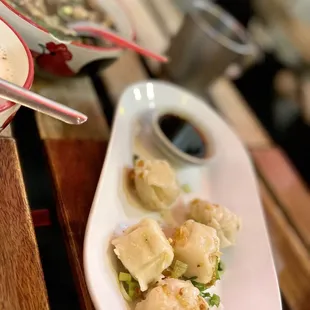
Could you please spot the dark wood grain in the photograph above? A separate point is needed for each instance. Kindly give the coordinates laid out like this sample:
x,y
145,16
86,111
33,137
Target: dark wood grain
x,y
291,257
287,186
76,166
21,278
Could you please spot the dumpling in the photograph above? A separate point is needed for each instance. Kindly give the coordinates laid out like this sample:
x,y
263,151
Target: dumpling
x,y
197,245
173,294
144,251
155,183
226,223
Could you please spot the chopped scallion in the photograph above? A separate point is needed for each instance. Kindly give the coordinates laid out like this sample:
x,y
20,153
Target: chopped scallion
x,y
135,157
124,277
219,270
186,188
132,286
124,293
221,266
179,269
202,287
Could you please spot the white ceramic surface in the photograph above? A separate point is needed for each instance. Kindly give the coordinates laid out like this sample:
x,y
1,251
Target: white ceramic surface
x,y
19,62
249,281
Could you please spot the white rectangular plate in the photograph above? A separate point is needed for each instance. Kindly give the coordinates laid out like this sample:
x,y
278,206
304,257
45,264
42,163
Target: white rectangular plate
x,y
249,281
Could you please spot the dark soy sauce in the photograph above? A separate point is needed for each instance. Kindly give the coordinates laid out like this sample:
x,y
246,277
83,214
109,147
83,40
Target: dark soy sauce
x,y
183,135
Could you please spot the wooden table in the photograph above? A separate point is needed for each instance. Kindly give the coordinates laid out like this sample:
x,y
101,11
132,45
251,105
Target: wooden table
x,y
76,154
21,278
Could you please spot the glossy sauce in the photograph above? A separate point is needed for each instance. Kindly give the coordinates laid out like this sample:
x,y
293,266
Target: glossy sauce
x,y
183,135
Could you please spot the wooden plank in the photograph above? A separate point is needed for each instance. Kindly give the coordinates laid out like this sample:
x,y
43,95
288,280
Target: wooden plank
x,y
149,33
167,14
121,74
294,271
22,283
7,132
76,93
236,111
76,166
287,186
75,155
153,29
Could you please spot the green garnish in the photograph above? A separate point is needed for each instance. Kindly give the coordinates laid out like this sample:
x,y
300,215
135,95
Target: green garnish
x,y
186,188
124,277
132,288
214,300
205,294
219,270
135,157
129,287
179,269
221,266
124,292
202,287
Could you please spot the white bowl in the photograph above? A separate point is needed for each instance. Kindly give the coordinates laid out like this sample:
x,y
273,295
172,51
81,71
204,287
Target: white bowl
x,y
20,63
67,60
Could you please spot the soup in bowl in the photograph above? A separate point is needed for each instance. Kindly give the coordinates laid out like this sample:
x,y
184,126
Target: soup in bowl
x,y
16,66
66,36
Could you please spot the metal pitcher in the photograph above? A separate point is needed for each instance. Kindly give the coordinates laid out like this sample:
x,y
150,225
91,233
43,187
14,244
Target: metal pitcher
x,y
208,42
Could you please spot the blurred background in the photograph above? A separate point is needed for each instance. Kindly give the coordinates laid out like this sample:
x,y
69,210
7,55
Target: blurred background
x,y
277,87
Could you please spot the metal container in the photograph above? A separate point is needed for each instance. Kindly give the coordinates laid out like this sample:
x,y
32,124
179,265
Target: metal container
x,y
208,42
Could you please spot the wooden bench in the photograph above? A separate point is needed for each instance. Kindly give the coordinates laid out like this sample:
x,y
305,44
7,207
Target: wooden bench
x,y
76,155
22,284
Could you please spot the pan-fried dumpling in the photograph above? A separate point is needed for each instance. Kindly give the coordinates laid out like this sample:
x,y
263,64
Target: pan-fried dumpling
x,y
197,245
173,294
144,251
155,183
226,223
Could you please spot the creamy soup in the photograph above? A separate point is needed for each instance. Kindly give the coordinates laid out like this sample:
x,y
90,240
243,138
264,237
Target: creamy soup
x,y
6,71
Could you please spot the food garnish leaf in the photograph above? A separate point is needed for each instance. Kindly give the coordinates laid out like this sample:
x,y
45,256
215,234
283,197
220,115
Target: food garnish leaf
x,y
214,300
